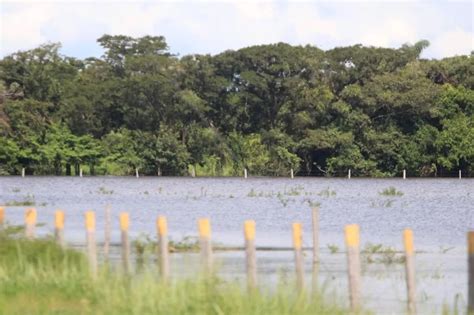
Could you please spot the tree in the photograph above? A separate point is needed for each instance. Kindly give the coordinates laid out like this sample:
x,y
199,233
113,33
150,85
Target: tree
x,y
268,108
456,143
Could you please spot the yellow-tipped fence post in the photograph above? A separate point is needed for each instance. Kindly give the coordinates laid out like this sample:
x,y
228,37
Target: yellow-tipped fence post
x,y
298,247
250,253
91,245
30,223
59,227
410,270
205,244
470,253
2,217
124,225
163,250
353,264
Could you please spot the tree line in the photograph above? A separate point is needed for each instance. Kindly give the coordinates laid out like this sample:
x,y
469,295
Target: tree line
x,y
267,108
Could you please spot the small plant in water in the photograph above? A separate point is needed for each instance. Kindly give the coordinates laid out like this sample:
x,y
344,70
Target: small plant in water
x,y
333,249
382,203
378,253
102,190
143,244
444,250
294,191
188,243
283,200
311,203
252,193
27,202
327,192
391,191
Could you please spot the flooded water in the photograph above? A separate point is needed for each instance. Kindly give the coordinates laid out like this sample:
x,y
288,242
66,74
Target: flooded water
x,y
440,212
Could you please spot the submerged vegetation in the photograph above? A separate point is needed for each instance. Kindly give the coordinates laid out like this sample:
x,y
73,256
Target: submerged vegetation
x,y
382,203
378,253
327,193
27,201
268,108
333,248
391,191
104,191
39,277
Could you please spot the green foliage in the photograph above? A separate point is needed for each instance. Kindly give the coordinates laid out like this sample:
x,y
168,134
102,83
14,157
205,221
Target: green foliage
x,y
456,142
9,153
267,108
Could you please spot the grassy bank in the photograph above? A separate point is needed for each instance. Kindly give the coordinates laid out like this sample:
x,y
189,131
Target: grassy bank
x,y
38,277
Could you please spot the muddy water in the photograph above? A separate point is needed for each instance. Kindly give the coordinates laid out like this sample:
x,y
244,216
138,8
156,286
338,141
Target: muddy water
x,y
439,211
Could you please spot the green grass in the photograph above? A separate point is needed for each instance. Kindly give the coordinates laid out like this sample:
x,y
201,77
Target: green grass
x,y
38,277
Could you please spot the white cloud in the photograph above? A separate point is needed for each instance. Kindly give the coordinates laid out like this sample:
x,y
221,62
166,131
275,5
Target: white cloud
x,y
202,26
456,42
21,27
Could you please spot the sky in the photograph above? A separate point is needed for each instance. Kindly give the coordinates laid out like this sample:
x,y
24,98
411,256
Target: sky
x,y
200,26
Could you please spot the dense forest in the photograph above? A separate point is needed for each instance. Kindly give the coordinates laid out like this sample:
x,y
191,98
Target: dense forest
x,y
268,108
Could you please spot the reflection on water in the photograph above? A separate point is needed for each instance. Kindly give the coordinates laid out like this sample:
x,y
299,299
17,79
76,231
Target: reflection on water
x,y
438,210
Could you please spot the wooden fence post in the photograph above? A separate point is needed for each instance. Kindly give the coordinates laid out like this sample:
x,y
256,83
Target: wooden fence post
x,y
107,232
292,174
124,225
23,172
205,244
315,219
353,264
91,245
30,223
410,270
2,218
59,227
250,252
470,253
163,250
297,244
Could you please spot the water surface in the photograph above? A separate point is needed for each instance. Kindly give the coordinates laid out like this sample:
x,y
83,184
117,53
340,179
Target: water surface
x,y
438,210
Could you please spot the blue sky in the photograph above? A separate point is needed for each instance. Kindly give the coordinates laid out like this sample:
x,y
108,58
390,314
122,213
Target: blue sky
x,y
202,26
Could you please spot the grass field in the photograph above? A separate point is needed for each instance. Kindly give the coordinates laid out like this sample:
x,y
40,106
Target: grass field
x,y
39,277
